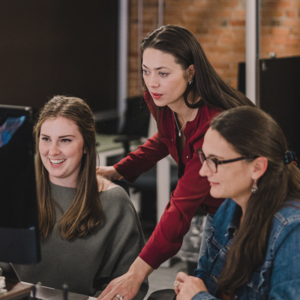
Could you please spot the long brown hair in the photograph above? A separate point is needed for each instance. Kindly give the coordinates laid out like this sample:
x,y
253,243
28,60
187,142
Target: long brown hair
x,y
253,132
86,210
186,49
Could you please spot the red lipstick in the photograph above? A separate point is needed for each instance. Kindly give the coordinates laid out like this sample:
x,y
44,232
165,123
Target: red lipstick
x,y
156,96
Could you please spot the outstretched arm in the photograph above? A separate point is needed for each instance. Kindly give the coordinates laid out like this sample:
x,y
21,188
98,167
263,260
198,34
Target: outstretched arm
x,y
108,172
143,159
191,191
128,285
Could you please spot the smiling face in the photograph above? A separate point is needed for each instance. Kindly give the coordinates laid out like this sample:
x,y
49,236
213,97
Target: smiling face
x,y
164,78
233,180
61,148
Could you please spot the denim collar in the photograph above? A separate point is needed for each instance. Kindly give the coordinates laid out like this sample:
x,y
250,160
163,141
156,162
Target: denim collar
x,y
235,221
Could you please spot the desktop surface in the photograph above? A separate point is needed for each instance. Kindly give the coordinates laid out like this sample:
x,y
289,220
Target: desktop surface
x,y
17,288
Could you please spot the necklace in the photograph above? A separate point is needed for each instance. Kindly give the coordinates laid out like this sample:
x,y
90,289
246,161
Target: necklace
x,y
180,130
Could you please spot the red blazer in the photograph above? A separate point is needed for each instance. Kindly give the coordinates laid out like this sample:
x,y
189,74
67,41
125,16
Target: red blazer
x,y
192,190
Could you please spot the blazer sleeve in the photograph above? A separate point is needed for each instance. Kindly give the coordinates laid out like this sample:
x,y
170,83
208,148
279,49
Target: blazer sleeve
x,y
143,159
167,237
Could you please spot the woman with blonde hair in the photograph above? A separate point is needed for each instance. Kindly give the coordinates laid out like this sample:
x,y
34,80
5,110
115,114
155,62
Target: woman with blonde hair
x,y
90,233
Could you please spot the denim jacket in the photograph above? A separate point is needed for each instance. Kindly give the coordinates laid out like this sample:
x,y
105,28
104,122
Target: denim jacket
x,y
279,275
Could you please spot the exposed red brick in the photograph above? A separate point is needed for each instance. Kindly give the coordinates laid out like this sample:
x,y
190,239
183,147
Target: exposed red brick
x,y
291,22
239,14
219,25
237,22
265,30
271,22
239,33
225,3
271,13
291,13
233,82
239,48
293,47
295,3
207,39
231,40
295,30
216,31
277,31
278,3
219,49
286,41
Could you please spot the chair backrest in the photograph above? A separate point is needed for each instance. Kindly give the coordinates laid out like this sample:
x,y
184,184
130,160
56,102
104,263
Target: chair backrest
x,y
137,117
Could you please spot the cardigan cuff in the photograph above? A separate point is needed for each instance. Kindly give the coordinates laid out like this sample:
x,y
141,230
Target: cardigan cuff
x,y
122,170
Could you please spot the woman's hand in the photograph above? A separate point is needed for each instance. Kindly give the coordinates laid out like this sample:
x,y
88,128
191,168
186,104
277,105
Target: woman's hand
x,y
186,287
108,172
127,285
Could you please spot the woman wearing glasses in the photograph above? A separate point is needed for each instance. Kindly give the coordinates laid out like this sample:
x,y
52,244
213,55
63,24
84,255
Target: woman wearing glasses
x,y
183,93
253,251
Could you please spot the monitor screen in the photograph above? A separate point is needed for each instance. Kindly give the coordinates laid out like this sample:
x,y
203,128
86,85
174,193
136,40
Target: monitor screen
x,y
19,237
278,94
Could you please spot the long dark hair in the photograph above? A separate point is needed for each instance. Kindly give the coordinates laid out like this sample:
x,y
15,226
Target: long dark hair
x,y
86,210
253,132
183,45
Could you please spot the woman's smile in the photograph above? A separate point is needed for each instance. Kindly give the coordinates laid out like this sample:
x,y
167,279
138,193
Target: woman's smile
x,y
61,149
56,163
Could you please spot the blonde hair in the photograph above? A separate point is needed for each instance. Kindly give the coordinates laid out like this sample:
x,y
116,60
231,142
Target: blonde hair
x,y
86,211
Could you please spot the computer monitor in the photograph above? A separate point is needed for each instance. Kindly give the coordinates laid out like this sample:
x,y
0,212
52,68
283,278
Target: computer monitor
x,y
278,94
19,236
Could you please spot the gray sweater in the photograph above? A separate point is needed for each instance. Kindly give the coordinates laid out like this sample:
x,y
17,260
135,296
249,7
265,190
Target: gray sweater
x,y
88,264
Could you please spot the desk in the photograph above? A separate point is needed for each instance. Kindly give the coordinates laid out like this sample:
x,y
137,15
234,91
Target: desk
x,y
106,147
16,290
47,293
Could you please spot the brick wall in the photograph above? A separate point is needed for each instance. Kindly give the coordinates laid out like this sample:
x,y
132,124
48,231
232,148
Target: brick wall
x,y
280,28
219,26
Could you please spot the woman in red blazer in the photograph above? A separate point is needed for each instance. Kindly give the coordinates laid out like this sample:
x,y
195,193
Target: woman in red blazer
x,y
183,93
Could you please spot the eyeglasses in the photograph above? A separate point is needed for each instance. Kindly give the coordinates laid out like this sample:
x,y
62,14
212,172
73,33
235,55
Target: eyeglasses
x,y
212,163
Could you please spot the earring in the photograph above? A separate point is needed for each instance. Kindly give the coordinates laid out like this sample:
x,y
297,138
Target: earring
x,y
254,187
191,81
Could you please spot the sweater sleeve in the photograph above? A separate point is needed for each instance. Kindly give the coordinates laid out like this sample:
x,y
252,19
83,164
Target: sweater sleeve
x,y
167,237
143,159
125,242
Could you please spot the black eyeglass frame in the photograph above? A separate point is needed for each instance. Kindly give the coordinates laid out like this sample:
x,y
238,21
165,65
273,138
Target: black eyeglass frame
x,y
221,162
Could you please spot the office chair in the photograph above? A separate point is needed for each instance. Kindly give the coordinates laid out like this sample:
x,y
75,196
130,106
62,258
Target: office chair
x,y
137,119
